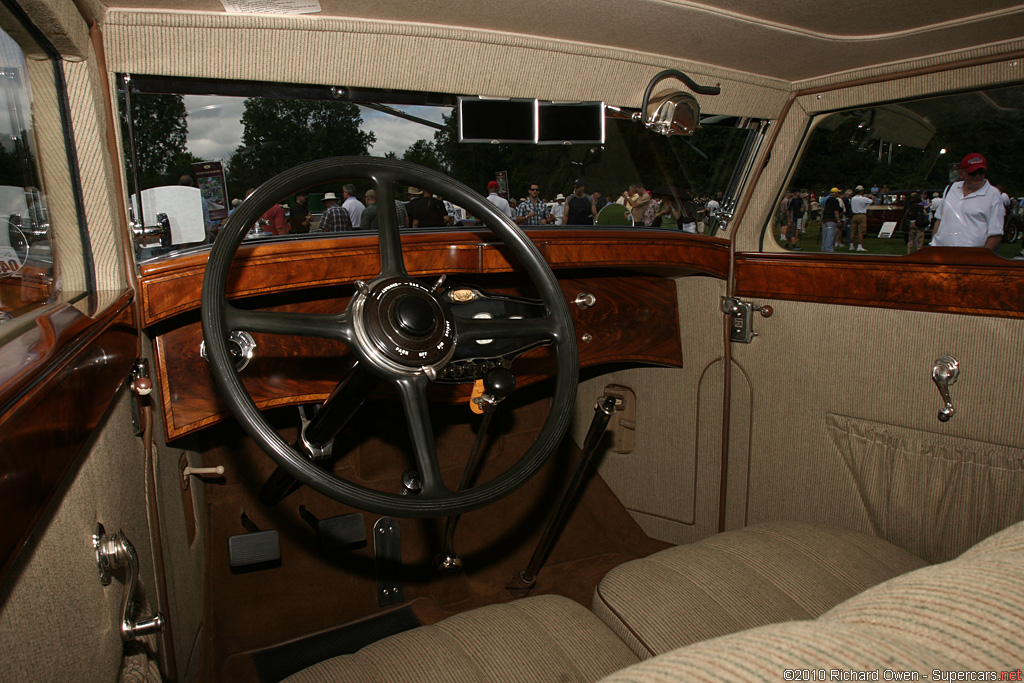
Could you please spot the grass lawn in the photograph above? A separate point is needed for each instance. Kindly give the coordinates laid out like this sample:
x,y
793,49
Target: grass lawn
x,y
809,241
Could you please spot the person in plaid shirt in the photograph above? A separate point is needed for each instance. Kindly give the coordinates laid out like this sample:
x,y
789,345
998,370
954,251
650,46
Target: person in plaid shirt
x,y
335,218
532,211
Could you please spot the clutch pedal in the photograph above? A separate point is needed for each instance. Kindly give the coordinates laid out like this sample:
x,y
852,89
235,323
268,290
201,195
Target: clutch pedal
x,y
254,549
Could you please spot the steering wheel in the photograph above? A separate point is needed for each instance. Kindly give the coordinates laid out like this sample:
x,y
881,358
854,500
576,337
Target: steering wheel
x,y
400,332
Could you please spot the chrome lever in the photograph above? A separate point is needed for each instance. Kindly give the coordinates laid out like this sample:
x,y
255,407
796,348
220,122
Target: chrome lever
x,y
945,373
111,554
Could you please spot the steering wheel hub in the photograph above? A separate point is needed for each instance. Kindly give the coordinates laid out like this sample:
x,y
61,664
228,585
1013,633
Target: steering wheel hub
x,y
405,325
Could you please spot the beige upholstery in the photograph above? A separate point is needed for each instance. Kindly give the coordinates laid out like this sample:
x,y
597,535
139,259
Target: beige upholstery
x,y
963,615
737,580
547,638
770,573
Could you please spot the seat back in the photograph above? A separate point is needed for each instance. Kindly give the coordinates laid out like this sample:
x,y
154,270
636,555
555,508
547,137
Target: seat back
x,y
962,615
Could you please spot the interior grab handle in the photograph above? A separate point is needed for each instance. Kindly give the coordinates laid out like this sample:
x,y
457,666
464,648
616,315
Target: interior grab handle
x,y
113,553
945,373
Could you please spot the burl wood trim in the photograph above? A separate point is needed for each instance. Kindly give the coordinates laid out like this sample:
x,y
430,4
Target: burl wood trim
x,y
635,320
172,287
56,383
936,279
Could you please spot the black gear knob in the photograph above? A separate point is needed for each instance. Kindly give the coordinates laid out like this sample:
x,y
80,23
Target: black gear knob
x,y
499,382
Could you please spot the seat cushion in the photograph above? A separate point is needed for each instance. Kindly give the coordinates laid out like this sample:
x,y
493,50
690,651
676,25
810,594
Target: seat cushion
x,y
737,580
547,638
962,615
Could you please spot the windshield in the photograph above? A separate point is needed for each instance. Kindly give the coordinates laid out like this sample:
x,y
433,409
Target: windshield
x,y
192,157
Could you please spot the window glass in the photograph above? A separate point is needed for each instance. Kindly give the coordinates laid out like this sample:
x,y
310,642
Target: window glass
x,y
889,168
220,146
27,275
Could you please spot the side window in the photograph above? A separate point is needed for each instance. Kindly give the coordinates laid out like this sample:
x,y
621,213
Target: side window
x,y
873,180
29,277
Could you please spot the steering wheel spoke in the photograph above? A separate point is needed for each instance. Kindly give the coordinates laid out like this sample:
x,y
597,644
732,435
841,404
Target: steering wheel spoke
x,y
413,391
337,327
392,262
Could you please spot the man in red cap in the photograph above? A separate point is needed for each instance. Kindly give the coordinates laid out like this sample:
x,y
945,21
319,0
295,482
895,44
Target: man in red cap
x,y
494,198
971,213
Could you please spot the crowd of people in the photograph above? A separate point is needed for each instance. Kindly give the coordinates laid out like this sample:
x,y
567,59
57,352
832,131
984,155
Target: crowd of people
x,y
970,212
664,207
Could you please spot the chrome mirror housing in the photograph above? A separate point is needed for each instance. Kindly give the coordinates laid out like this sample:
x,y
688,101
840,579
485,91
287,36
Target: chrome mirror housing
x,y
677,113
673,114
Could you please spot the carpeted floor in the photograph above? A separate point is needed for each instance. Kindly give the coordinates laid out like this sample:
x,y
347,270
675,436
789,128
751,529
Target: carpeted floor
x,y
310,592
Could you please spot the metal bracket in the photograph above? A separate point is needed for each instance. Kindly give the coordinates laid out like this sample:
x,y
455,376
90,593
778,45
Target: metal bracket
x,y
141,385
742,311
114,553
387,547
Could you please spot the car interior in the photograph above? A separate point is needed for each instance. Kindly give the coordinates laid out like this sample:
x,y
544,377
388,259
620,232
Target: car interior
x,y
571,395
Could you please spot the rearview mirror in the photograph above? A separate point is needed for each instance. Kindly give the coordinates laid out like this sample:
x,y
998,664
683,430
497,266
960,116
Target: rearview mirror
x,y
677,113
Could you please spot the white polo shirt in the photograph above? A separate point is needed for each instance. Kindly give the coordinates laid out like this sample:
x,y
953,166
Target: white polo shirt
x,y
501,203
860,203
969,221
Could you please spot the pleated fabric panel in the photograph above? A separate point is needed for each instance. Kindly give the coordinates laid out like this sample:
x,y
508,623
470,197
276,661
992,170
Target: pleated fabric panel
x,y
542,639
963,615
737,580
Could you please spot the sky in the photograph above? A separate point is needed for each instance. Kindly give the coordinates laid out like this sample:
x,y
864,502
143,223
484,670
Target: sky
x,y
215,129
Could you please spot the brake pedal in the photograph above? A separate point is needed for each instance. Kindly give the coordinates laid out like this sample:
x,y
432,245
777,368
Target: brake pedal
x,y
254,549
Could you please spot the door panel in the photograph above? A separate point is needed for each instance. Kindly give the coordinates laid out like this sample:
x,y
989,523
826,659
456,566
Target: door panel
x,y
846,429
57,621
670,481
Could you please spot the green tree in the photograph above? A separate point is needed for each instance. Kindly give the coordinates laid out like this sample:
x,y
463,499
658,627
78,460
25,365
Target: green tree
x,y
424,153
280,134
160,130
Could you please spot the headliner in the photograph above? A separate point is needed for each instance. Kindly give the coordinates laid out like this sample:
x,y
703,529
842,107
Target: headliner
x,y
790,40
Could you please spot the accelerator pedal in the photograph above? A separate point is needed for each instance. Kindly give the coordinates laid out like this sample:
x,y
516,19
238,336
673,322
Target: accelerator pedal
x,y
339,533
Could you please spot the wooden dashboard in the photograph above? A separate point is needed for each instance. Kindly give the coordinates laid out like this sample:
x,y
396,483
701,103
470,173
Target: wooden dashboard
x,y
635,318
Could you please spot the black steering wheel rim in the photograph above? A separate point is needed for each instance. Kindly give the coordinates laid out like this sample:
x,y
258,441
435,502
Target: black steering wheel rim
x,y
385,173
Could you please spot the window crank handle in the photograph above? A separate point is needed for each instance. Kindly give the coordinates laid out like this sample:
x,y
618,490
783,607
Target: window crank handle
x,y
945,373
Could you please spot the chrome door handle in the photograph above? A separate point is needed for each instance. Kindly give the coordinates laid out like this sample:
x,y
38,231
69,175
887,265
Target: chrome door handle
x,y
945,373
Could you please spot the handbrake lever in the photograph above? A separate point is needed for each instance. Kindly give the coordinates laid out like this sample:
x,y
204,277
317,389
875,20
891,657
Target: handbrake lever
x,y
498,385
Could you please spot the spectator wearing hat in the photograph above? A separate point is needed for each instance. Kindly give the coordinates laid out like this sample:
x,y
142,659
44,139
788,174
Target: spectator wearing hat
x,y
494,198
579,208
558,209
859,204
533,210
335,218
298,214
426,210
352,204
832,216
971,213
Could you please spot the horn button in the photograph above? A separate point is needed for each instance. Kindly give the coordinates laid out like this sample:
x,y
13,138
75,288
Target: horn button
x,y
406,323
